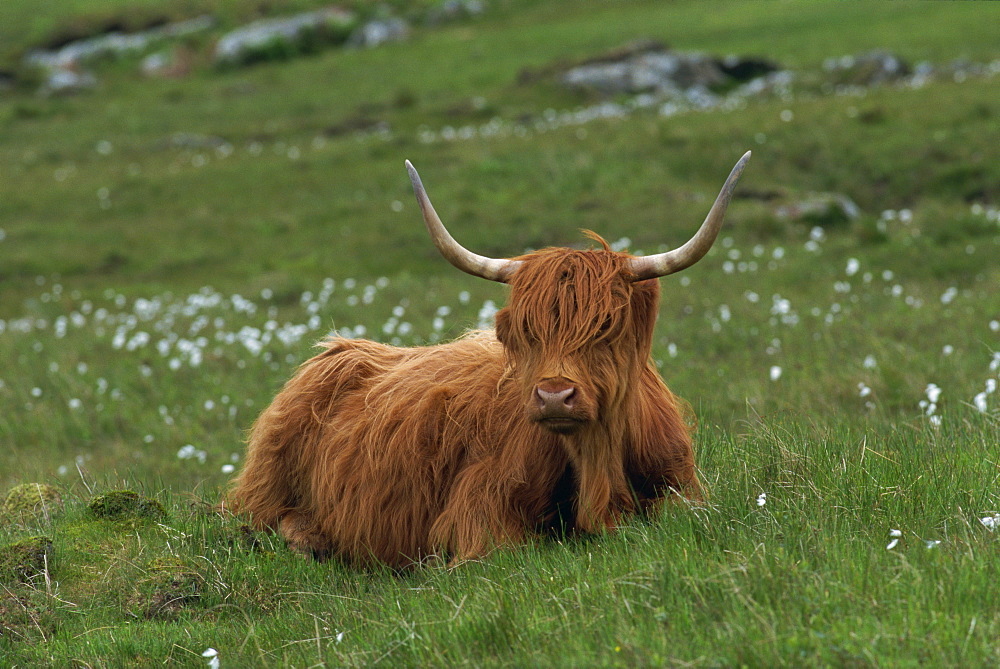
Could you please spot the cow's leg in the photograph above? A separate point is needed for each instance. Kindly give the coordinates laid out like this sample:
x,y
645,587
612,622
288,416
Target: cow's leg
x,y
303,536
480,515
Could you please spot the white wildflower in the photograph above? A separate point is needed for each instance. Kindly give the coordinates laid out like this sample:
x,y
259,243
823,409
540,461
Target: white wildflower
x,y
762,499
213,658
991,522
775,372
189,452
894,535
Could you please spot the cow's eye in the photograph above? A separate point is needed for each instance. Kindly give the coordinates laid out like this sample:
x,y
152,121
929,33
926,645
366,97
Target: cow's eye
x,y
605,327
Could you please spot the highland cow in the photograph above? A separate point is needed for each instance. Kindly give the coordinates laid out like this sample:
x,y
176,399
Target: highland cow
x,y
555,421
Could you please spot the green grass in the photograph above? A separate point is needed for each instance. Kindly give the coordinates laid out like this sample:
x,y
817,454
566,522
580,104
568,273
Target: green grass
x,y
108,251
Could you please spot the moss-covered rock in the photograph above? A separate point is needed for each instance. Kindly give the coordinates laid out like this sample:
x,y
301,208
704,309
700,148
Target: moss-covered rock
x,y
122,504
23,560
31,499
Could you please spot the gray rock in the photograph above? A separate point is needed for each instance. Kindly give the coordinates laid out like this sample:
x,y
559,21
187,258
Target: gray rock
x,y
642,68
823,209
67,80
244,43
156,64
62,68
452,10
378,32
867,69
113,44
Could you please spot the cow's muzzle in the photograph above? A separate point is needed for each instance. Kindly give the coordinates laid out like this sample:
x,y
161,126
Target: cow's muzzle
x,y
557,406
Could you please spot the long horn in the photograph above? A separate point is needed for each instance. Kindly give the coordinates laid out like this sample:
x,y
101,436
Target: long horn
x,y
488,268
662,264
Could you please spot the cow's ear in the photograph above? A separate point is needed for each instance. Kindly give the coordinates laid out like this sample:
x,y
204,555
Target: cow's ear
x,y
502,321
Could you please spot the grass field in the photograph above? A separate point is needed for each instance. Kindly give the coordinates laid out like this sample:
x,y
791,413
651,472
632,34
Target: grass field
x,y
171,249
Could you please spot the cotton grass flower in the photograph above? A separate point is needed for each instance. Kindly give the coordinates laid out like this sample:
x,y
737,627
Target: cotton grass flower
x,y
762,499
213,657
894,536
189,452
991,522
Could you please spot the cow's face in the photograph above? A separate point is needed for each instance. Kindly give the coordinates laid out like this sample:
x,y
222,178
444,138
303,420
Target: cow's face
x,y
577,332
579,324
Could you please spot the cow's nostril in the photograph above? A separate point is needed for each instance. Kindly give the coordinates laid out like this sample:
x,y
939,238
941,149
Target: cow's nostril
x,y
558,401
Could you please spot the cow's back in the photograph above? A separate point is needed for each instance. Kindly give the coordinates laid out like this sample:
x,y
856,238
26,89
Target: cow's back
x,y
367,439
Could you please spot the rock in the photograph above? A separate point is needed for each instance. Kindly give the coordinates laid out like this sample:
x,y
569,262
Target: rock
x,y
453,10
649,72
31,499
63,71
745,69
171,63
67,80
123,504
378,32
155,63
823,209
646,67
867,69
23,560
113,44
271,39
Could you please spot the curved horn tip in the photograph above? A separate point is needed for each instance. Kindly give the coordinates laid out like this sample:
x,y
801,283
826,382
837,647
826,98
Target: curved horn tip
x,y
669,262
741,163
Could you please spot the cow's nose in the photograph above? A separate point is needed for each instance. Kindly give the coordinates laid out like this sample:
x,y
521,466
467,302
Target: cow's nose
x,y
556,402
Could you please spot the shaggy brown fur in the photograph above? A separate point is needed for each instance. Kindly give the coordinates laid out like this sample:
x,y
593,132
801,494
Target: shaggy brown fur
x,y
377,453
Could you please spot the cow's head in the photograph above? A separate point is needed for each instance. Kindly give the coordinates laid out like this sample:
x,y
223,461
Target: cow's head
x,y
579,325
